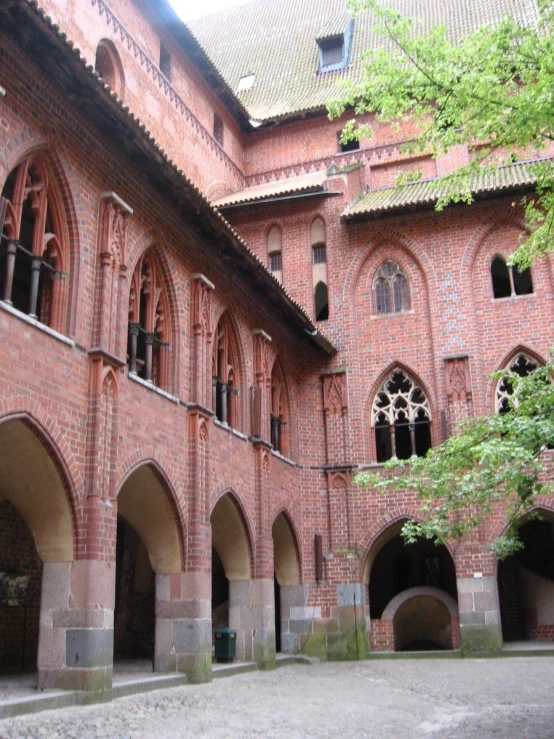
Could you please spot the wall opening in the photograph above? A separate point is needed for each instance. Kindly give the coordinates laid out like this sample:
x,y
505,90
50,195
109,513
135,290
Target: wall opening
x,y
286,581
526,585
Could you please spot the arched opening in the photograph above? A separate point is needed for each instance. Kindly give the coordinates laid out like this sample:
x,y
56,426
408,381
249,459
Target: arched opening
x,y
321,301
148,547
395,568
274,252
231,573
225,375
286,582
509,282
36,532
108,65
526,584
279,415
422,619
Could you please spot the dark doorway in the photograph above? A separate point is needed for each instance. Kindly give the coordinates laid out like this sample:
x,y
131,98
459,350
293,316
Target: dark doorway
x,y
277,590
220,593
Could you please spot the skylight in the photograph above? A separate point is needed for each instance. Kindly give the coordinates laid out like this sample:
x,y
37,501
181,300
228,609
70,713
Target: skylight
x,y
246,82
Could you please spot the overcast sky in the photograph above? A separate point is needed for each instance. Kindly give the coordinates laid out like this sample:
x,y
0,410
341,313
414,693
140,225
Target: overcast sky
x,y
188,9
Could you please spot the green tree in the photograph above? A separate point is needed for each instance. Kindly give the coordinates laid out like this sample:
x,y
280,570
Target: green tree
x,y
492,91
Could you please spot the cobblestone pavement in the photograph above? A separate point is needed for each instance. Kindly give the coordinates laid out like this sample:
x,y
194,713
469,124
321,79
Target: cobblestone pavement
x,y
401,698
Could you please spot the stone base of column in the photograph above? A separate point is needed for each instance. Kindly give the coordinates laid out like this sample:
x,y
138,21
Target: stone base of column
x,y
76,626
183,639
252,616
480,629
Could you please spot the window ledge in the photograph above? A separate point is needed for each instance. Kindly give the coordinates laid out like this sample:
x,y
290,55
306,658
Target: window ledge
x,y
152,387
283,459
513,297
392,314
37,324
226,427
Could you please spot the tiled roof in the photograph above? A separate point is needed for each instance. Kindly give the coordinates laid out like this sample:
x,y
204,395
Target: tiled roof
x,y
505,178
276,41
306,183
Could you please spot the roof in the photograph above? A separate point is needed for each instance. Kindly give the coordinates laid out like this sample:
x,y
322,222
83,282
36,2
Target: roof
x,y
276,41
505,178
63,63
306,183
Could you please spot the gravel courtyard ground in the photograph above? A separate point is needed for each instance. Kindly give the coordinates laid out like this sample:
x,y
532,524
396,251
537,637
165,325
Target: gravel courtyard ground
x,y
401,698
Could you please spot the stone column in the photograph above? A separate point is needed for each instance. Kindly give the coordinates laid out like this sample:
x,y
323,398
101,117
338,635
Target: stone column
x,y
478,604
183,640
76,626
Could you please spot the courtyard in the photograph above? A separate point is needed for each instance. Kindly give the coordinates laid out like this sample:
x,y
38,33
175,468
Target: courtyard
x,y
506,697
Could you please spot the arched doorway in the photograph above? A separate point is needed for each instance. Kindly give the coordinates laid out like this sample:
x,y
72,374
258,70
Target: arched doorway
x,y
526,584
36,535
286,582
231,573
148,550
394,568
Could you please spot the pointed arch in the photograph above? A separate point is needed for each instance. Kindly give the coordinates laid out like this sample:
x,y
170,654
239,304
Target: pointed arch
x,y
228,376
109,67
522,361
31,464
286,552
147,500
232,537
280,411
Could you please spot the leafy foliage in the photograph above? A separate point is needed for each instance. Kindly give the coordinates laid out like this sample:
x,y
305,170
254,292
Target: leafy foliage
x,y
498,460
493,91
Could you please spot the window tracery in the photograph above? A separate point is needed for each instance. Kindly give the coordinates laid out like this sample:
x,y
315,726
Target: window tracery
x,y
33,257
225,375
392,294
521,365
149,331
401,418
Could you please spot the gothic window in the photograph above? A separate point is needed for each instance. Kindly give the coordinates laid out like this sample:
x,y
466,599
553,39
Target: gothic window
x,y
149,337
33,259
279,413
401,418
274,245
225,375
392,294
508,282
319,269
521,365
108,65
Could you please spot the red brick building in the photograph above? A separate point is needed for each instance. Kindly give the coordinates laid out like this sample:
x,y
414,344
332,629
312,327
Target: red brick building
x,y
212,315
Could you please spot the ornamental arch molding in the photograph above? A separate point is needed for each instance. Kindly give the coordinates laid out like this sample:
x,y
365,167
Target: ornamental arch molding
x,y
146,499
32,463
504,364
232,536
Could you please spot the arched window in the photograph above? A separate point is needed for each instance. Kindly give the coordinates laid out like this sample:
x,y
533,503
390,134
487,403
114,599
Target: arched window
x,y
401,418
274,246
508,282
225,374
319,269
108,65
279,413
392,294
33,256
149,337
521,365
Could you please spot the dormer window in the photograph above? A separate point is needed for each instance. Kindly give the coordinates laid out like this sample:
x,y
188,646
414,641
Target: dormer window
x,y
334,51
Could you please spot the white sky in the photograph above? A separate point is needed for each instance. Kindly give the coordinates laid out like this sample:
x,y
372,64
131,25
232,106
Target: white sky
x,y
188,9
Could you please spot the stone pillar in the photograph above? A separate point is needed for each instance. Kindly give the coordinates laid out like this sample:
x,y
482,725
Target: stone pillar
x,y
252,616
478,604
76,626
350,640
296,618
183,640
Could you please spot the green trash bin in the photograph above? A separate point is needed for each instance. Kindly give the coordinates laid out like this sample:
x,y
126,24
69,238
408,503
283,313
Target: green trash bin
x,y
225,644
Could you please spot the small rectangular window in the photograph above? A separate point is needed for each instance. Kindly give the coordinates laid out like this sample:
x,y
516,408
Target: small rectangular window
x,y
275,263
332,52
353,145
218,129
165,62
320,254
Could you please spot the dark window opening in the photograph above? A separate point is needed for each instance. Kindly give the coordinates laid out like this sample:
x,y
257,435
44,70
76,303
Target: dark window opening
x,y
165,62
392,292
319,254
218,130
321,299
403,440
501,286
521,366
523,285
275,262
104,66
352,145
331,53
